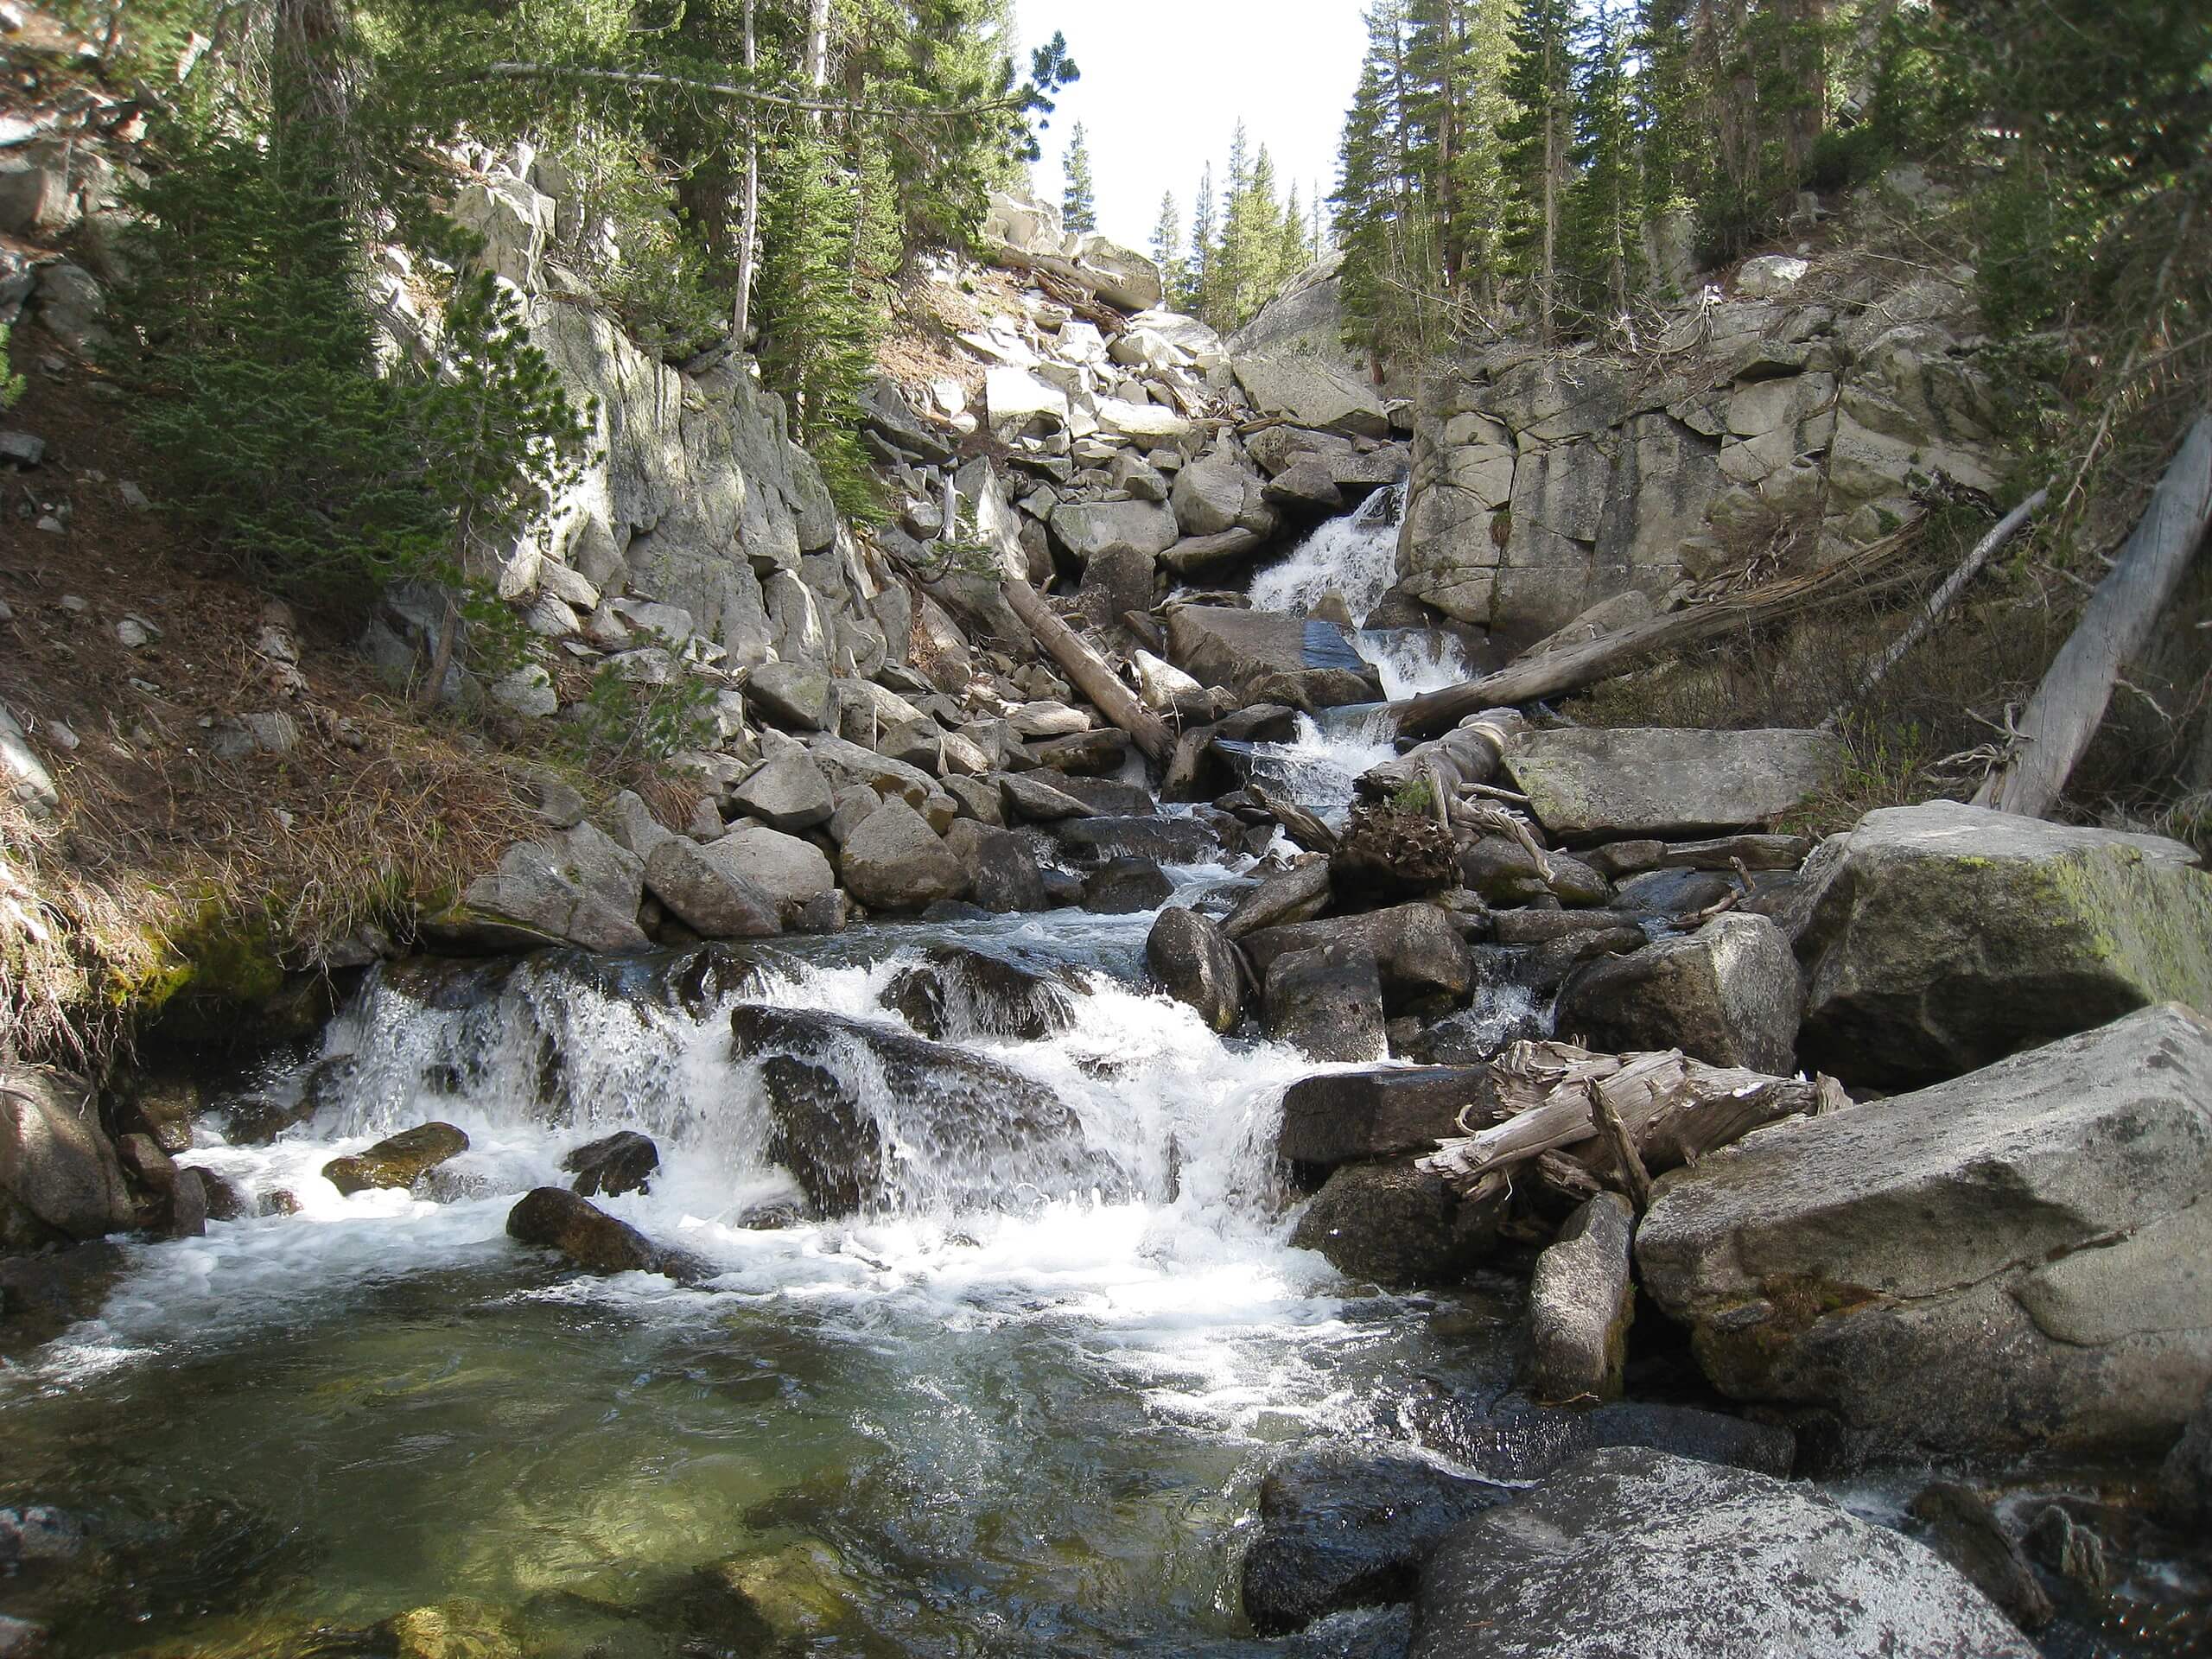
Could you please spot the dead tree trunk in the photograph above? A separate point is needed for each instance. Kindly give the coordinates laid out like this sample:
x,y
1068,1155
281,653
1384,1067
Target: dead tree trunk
x,y
1942,598
2067,708
748,230
1572,667
1090,672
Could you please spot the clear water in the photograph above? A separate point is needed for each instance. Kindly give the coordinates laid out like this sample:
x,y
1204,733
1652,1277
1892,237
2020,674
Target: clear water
x,y
1029,1423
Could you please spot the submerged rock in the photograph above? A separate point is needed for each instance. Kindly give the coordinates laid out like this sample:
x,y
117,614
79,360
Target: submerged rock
x,y
399,1160
1941,937
1397,1225
1339,1531
554,1218
618,1163
961,995
868,1118
2011,1261
1633,1552
1344,1117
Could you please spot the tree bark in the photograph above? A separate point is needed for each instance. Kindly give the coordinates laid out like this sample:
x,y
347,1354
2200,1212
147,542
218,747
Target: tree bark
x,y
2063,716
1575,666
1090,672
748,228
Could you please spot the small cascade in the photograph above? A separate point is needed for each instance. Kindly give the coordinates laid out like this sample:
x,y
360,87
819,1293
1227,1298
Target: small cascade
x,y
1355,558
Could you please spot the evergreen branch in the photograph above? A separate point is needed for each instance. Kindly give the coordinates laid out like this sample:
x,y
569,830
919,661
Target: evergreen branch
x,y
511,71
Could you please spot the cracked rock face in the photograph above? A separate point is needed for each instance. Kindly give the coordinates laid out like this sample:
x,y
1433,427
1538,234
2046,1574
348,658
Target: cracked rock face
x,y
2020,1257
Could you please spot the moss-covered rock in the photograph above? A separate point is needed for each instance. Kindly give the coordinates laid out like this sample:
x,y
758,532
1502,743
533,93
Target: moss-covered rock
x,y
1939,938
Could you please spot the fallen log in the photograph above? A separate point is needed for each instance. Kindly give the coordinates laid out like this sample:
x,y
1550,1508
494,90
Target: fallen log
x,y
1671,1110
1088,670
1309,832
2068,706
1942,601
1572,667
1466,758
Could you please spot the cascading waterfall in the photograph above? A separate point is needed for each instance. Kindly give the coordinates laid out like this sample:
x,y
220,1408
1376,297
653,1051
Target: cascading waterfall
x,y
1355,558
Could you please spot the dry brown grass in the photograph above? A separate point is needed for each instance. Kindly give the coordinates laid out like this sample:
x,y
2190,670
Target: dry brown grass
x,y
170,872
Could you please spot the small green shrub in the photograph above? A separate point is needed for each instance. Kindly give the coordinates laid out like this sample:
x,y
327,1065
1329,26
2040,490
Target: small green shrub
x,y
622,725
11,383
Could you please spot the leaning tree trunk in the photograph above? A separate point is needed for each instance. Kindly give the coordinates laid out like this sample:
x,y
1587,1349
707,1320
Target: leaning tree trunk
x,y
1090,672
2068,707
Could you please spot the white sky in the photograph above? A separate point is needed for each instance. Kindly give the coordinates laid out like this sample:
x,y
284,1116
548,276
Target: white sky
x,y
1163,82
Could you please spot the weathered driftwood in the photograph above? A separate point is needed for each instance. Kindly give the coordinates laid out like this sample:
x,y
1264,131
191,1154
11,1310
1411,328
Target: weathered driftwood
x,y
1941,600
1572,667
2068,706
1671,1109
1301,826
1088,670
1465,758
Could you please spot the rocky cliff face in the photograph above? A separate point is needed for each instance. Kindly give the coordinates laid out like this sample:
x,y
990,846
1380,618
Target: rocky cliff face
x,y
1810,405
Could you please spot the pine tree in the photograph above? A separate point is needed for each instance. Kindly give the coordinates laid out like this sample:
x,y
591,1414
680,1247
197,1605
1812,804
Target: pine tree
x,y
1079,201
1538,140
1292,254
1167,249
1604,215
1197,276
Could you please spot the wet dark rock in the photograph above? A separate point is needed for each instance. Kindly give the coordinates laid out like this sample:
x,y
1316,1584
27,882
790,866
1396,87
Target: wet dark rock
x,y
1195,963
1164,841
959,994
1326,1000
1092,755
165,1107
21,1639
955,910
39,1534
1476,1035
1676,895
1338,1531
1294,895
1417,951
971,1129
1959,1525
1028,798
281,1202
614,1164
172,1204
2185,1477
1345,1117
1515,1441
399,1160
554,1218
1108,798
1397,1225
1627,1551
1122,886
224,1201
60,1178
1727,995
258,1114
2070,1550
40,1296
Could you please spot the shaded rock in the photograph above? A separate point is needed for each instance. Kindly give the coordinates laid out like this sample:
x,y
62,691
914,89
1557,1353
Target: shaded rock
x,y
1509,1440
1035,799
2185,1477
710,891
1396,1225
1123,886
1588,783
2070,1550
1326,999
1582,1301
788,793
1960,1527
42,1296
1339,1530
1937,938
969,1129
1195,963
1344,1117
615,1164
554,1218
1239,649
1297,894
1727,995
961,994
1632,1551
1002,872
1419,951
1108,798
2011,1259
59,1176
1098,753
895,862
398,1160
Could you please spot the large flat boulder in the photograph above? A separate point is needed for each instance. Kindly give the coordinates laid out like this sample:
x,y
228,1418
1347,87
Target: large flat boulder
x,y
1345,1117
1937,938
1309,390
1097,530
1218,646
1589,784
1629,1551
2014,1259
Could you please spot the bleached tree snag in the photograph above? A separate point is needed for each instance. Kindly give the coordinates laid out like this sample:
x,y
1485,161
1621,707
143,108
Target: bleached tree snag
x,y
2068,706
1941,600
1301,826
1572,667
1622,1145
1090,672
1673,1110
